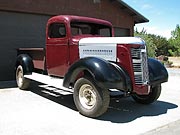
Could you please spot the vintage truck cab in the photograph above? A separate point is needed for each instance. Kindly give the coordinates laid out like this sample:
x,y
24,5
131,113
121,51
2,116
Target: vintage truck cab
x,y
87,59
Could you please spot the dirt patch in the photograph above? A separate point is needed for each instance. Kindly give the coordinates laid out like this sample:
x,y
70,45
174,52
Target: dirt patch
x,y
175,60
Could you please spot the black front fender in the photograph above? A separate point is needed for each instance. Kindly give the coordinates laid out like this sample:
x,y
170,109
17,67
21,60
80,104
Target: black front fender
x,y
103,72
157,72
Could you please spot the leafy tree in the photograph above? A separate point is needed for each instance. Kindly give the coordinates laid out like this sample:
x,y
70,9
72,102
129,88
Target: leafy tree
x,y
174,41
157,45
162,45
149,42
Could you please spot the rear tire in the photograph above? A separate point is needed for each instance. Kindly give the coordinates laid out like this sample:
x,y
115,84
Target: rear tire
x,y
22,82
154,94
90,100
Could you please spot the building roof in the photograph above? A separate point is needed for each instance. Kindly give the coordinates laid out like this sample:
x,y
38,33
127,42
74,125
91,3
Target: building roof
x,y
47,8
138,18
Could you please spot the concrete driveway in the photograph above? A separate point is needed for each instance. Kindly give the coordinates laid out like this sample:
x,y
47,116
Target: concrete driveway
x,y
44,111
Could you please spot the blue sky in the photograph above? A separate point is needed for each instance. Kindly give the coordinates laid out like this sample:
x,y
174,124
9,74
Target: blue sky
x,y
163,15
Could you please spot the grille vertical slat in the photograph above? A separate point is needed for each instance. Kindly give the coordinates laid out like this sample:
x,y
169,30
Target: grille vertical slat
x,y
140,67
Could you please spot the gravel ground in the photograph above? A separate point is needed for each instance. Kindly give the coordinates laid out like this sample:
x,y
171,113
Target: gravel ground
x,y
44,111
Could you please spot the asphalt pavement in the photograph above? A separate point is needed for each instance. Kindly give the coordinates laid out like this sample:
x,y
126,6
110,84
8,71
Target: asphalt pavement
x,y
43,110
169,129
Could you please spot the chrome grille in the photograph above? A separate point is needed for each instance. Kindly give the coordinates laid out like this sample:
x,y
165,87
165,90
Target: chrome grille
x,y
136,53
140,66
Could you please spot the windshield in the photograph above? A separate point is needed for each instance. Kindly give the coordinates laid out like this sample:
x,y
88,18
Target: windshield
x,y
83,28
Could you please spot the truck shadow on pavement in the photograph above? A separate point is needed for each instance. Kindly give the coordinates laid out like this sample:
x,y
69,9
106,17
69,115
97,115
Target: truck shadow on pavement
x,y
121,110
7,84
126,110
54,95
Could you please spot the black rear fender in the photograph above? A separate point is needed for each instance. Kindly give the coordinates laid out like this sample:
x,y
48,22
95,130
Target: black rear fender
x,y
26,62
104,73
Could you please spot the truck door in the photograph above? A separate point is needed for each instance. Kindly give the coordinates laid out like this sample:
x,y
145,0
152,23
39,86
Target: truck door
x,y
57,53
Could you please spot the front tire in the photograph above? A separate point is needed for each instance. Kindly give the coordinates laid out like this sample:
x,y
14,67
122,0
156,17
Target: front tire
x,y
22,82
90,100
154,94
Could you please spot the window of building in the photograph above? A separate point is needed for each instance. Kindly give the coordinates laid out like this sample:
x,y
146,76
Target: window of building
x,y
97,1
57,30
121,32
105,32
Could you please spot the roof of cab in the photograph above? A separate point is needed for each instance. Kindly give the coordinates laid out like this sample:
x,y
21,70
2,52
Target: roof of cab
x,y
69,18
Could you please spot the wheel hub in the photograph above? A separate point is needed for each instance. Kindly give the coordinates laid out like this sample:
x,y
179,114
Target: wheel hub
x,y
87,96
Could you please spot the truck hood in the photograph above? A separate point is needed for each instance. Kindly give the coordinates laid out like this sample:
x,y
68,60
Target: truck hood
x,y
109,40
105,47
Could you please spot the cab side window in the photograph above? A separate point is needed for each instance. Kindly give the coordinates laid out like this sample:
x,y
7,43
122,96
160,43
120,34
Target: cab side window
x,y
57,30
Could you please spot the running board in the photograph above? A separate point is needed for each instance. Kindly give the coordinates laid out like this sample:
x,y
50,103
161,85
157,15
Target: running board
x,y
51,81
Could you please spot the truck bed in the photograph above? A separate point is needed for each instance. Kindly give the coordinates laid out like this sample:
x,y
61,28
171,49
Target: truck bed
x,y
37,55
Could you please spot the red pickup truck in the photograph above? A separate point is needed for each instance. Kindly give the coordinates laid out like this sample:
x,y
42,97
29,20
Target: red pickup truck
x,y
85,58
